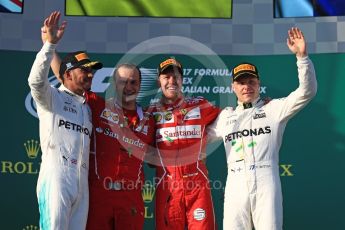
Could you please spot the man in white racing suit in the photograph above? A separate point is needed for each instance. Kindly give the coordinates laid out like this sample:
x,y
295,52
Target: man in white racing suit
x,y
65,130
252,136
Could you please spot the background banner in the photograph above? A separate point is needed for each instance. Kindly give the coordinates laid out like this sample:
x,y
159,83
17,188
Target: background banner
x,y
311,157
150,8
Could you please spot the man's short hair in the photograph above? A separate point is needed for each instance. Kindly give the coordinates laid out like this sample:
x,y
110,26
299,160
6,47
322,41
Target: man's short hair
x,y
128,66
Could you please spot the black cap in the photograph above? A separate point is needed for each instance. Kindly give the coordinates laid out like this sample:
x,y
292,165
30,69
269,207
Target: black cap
x,y
78,59
168,64
244,69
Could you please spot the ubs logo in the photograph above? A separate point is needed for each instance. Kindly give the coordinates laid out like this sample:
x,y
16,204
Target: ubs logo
x,y
259,115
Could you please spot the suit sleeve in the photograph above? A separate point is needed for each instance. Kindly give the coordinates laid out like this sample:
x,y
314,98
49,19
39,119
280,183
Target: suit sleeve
x,y
286,107
151,155
41,90
96,104
210,112
214,130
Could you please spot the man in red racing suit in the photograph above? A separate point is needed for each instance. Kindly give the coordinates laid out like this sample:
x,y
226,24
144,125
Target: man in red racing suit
x,y
183,195
116,171
121,138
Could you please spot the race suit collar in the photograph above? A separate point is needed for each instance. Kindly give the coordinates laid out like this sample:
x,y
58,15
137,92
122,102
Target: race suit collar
x,y
77,97
173,105
243,106
138,108
142,119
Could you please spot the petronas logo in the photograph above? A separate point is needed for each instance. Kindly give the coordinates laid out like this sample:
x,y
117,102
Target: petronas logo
x,y
148,193
31,227
32,148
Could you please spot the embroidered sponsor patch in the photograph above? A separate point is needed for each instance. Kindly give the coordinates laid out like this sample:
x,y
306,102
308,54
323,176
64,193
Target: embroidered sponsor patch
x,y
244,67
110,116
193,114
81,56
199,214
183,111
99,130
178,132
168,116
158,117
170,61
70,110
163,117
259,115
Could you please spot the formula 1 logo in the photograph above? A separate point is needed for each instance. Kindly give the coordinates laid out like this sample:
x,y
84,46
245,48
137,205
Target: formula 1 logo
x,y
100,84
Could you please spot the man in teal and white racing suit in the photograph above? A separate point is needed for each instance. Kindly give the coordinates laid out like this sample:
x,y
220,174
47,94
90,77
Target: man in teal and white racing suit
x,y
65,131
252,134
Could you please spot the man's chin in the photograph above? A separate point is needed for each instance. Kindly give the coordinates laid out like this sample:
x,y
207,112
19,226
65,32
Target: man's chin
x,y
248,100
87,88
130,98
171,97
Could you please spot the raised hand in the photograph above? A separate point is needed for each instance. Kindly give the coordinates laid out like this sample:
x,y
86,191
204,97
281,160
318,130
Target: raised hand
x,y
51,30
296,42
